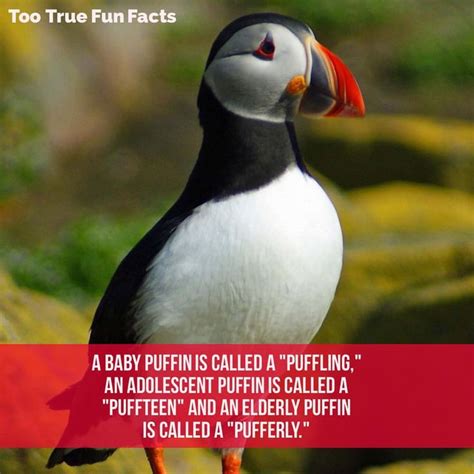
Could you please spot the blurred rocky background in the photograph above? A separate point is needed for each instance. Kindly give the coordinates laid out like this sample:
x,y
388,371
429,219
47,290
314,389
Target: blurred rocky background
x,y
98,132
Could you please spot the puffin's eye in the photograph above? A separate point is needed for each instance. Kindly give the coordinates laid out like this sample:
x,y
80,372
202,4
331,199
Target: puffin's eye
x,y
266,49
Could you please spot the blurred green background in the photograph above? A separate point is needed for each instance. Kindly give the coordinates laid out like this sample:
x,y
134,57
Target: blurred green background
x,y
98,133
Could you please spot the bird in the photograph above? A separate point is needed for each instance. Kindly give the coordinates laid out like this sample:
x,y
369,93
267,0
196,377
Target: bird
x,y
251,251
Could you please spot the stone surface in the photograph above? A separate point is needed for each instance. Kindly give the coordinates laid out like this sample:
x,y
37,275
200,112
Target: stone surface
x,y
460,463
378,149
408,266
27,316
407,277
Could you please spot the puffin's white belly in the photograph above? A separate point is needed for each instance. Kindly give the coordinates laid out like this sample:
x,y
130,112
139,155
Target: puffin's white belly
x,y
258,267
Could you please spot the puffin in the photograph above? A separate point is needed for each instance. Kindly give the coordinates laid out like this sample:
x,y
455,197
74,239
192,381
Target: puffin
x,y
251,251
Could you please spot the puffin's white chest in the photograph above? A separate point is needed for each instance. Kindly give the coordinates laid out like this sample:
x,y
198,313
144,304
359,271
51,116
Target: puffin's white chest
x,y
258,267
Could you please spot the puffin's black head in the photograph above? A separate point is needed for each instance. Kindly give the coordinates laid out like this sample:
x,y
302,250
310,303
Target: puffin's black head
x,y
268,67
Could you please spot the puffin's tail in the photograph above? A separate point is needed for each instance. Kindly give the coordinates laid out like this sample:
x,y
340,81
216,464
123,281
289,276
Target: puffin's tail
x,y
78,456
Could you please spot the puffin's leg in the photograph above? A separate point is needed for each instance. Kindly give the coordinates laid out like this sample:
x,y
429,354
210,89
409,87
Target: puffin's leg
x,y
156,460
231,460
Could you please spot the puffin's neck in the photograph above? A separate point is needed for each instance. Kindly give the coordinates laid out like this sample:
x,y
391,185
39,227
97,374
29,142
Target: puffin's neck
x,y
238,154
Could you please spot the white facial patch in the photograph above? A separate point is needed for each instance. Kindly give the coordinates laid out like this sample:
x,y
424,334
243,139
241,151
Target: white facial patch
x,y
253,87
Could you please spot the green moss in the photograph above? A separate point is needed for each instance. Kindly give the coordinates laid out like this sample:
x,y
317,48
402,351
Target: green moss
x,y
271,461
404,209
460,463
78,264
28,317
124,461
374,275
408,260
437,313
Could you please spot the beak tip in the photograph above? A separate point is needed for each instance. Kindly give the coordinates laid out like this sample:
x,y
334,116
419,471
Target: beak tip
x,y
349,99
358,105
353,109
357,110
353,103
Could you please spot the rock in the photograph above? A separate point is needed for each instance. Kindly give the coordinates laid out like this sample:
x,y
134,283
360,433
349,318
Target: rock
x,y
407,278
409,254
29,317
460,463
435,313
124,461
404,208
271,461
378,149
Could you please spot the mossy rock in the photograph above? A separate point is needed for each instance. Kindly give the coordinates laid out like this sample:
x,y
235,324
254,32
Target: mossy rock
x,y
437,313
406,278
124,461
409,257
378,149
29,317
276,461
409,252
460,463
391,281
405,209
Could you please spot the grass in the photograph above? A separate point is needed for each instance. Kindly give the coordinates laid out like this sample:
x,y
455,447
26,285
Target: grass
x,y
78,264
435,59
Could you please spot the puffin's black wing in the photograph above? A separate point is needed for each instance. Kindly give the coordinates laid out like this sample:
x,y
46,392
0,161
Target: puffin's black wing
x,y
114,318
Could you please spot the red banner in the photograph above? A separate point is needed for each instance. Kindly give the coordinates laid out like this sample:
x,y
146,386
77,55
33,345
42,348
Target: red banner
x,y
237,395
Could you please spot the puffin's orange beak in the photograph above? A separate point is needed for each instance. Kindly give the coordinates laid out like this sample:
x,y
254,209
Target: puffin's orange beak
x,y
333,90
